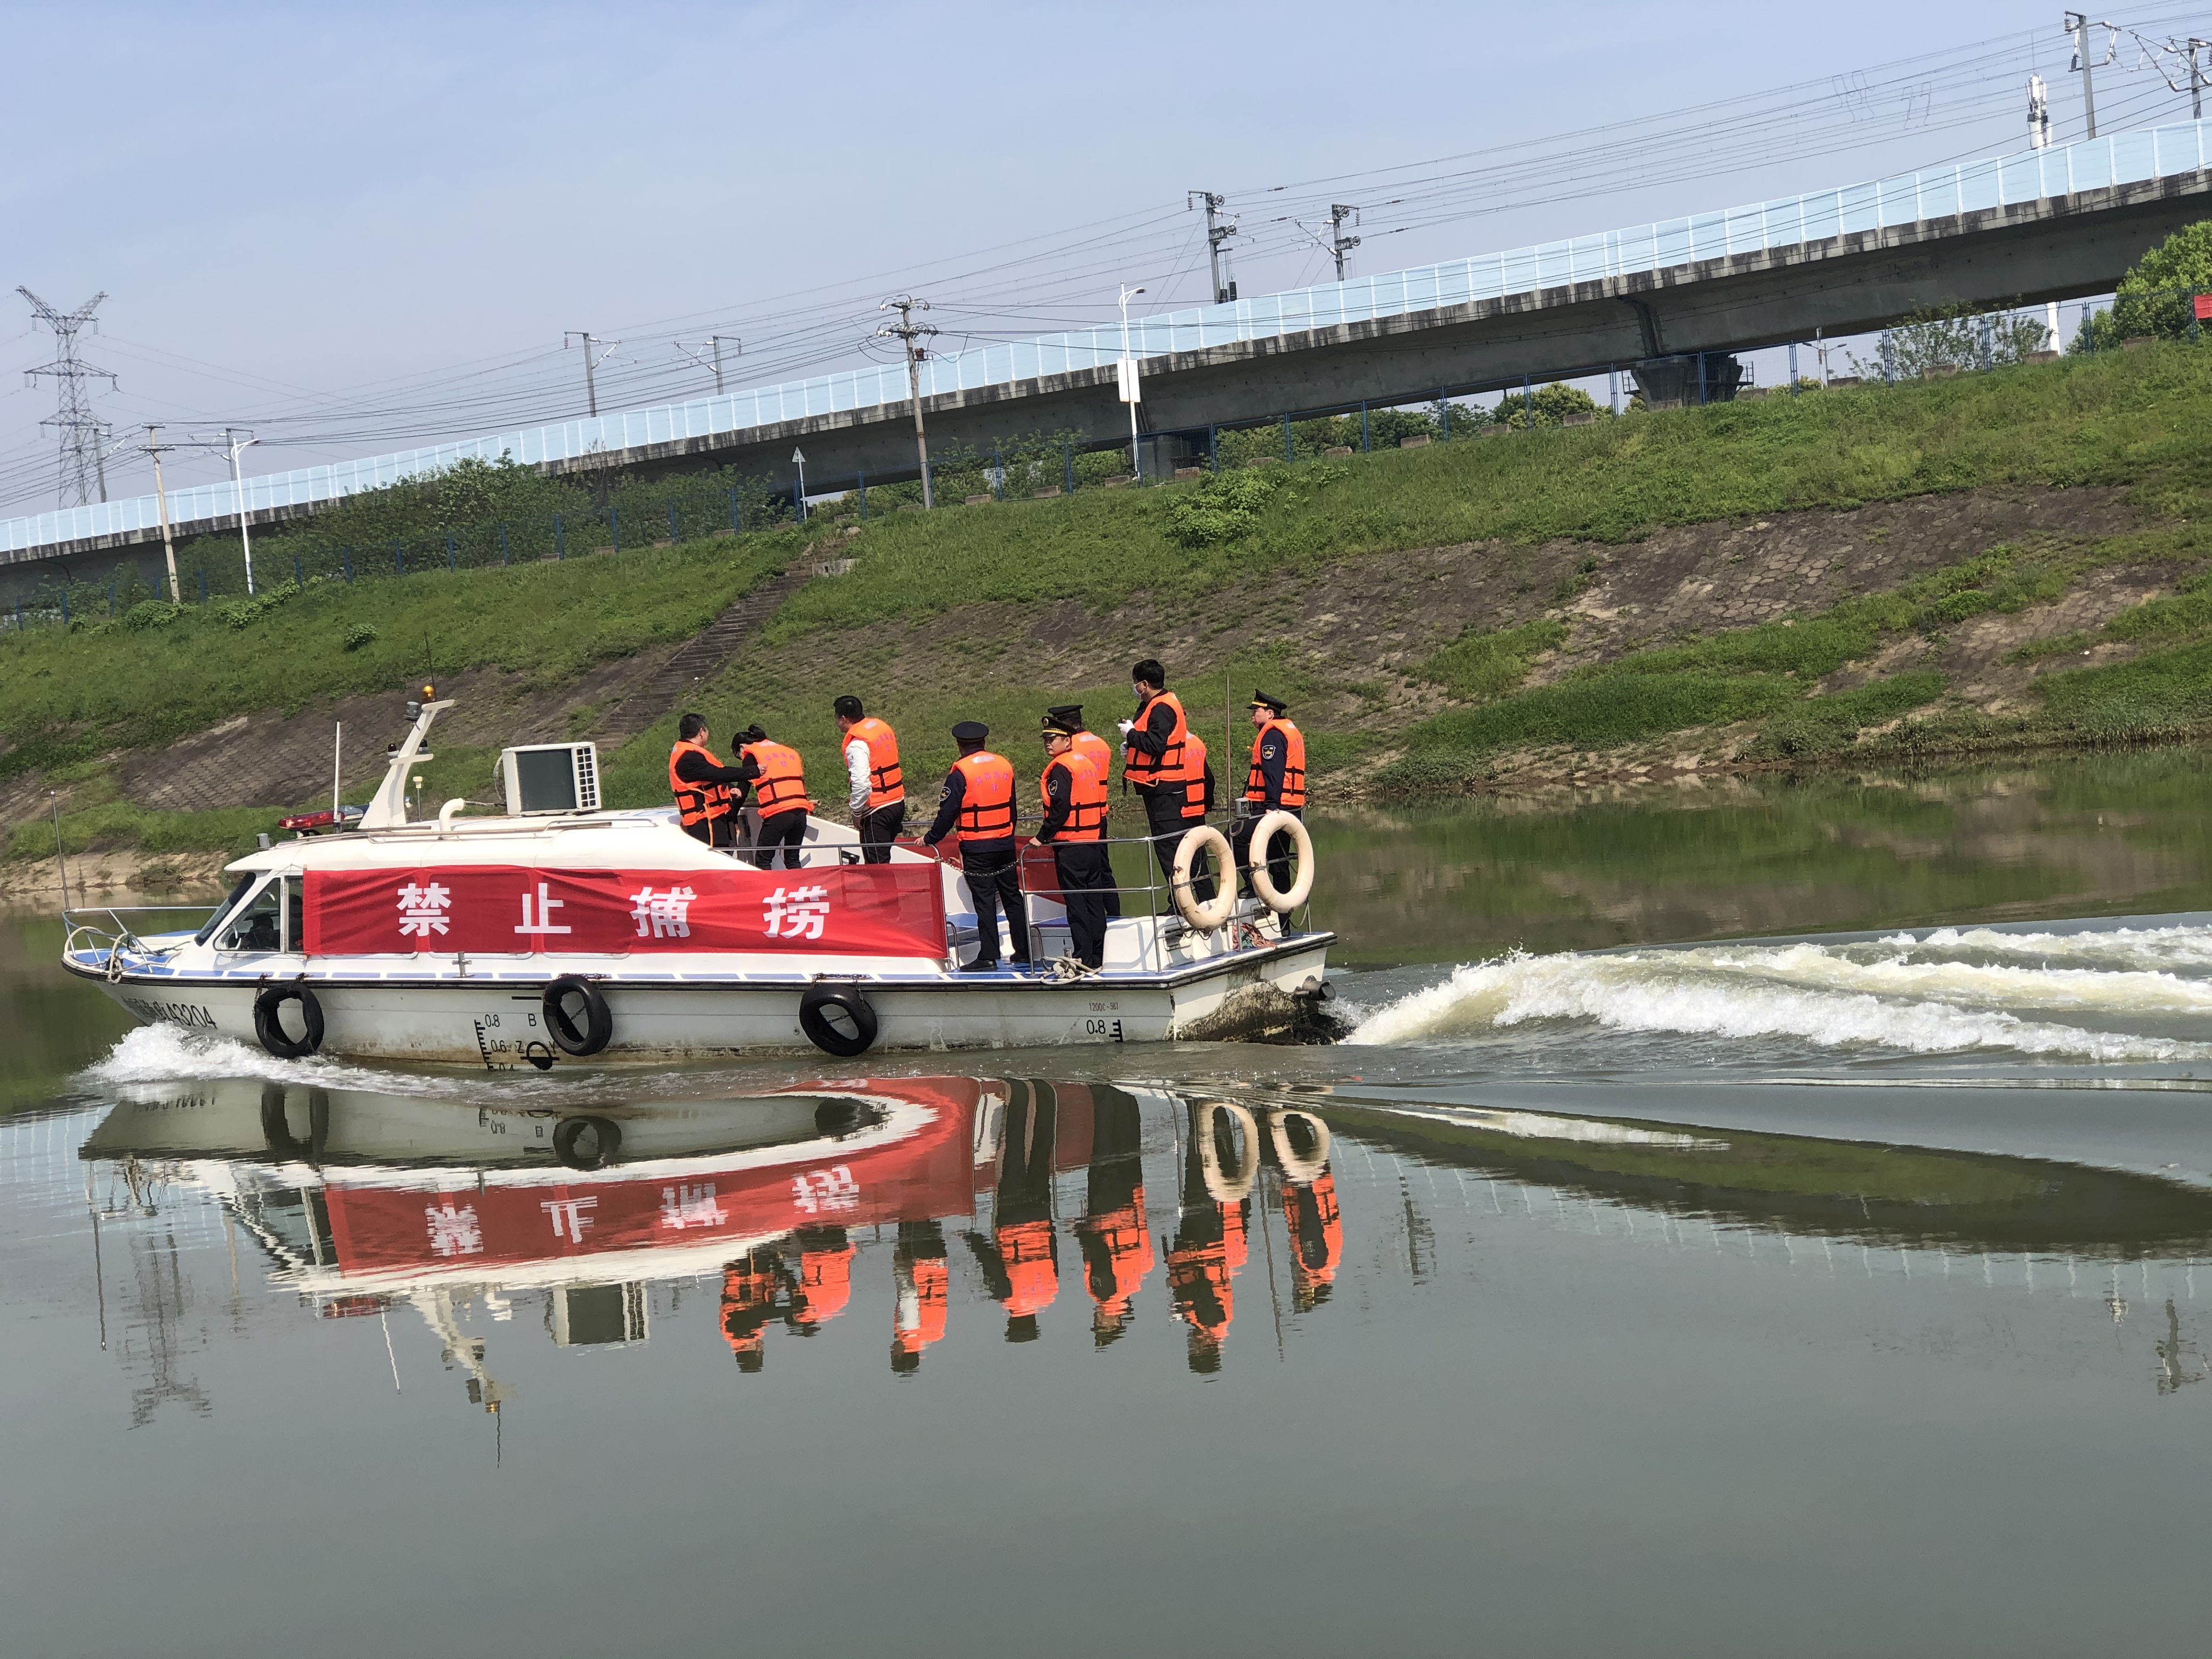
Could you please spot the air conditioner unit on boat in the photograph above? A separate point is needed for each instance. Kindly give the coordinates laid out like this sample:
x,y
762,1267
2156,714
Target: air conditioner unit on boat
x,y
552,777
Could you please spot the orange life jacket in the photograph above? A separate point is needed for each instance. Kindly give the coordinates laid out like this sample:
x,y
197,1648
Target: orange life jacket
x,y
1294,764
886,783
1032,1275
696,803
1086,797
1117,1251
782,785
1092,748
987,799
1173,763
825,1284
1194,787
1316,1230
749,1290
925,1290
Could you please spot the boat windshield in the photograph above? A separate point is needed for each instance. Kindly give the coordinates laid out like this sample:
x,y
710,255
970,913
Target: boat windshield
x,y
257,925
215,917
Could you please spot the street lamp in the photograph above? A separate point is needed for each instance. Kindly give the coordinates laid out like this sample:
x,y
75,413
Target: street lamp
x,y
237,447
1127,376
799,458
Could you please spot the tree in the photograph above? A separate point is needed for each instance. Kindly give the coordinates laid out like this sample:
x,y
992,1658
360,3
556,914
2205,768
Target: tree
x,y
2153,298
1554,402
1953,336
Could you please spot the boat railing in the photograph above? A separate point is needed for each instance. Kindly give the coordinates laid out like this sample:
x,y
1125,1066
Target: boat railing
x,y
100,930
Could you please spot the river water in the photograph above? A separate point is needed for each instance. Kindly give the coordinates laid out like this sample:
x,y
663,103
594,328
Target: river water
x,y
1760,1219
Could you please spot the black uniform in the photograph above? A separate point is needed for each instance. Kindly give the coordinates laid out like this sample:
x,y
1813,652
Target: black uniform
x,y
994,873
1274,755
1163,802
1085,876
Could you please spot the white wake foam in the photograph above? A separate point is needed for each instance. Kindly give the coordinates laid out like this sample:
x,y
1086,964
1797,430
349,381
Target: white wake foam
x,y
1810,993
2155,948
169,1054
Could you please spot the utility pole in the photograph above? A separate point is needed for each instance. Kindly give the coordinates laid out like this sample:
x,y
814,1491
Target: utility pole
x,y
236,447
1338,243
1217,240
2195,80
2077,25
1127,374
591,391
82,471
908,331
161,507
715,345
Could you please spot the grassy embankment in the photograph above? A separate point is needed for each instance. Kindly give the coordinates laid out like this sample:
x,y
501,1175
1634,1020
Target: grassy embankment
x,y
2132,419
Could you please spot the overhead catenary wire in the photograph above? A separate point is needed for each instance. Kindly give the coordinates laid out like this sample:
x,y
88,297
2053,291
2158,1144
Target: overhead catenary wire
x,y
1064,278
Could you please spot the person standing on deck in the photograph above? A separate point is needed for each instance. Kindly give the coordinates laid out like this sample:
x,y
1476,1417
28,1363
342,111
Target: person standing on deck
x,y
1075,827
1092,747
876,787
977,810
1275,783
781,795
1163,758
709,794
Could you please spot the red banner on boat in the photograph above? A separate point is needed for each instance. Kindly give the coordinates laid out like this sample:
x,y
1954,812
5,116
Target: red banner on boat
x,y
928,1171
878,910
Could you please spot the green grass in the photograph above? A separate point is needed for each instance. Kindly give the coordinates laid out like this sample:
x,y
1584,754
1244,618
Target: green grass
x,y
1762,673
1481,665
2133,419
66,695
2110,420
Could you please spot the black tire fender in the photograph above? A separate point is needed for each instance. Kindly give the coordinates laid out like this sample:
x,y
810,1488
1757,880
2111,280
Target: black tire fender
x,y
573,1149
269,1028
597,1029
826,1010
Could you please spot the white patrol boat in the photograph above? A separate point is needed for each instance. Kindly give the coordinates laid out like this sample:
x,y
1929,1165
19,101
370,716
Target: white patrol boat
x,y
558,932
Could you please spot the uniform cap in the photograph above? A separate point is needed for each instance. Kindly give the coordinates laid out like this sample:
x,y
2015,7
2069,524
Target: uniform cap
x,y
1070,715
1273,705
971,732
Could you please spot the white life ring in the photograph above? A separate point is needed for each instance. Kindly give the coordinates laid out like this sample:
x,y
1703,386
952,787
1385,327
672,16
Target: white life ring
x,y
1204,917
1221,1188
1263,833
1303,1171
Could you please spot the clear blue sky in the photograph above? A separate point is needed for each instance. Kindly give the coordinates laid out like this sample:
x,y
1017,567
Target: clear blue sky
x,y
288,205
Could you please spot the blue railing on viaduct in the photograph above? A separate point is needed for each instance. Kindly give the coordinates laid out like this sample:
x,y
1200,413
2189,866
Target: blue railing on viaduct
x,y
1933,193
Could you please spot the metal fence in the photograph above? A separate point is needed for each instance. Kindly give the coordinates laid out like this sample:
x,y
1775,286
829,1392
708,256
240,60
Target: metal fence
x,y
1933,193
1047,467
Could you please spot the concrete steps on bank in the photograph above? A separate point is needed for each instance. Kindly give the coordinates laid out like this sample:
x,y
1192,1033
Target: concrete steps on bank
x,y
702,658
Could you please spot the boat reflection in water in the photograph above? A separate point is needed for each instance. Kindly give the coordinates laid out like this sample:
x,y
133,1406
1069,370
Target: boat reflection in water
x,y
367,1201
916,1194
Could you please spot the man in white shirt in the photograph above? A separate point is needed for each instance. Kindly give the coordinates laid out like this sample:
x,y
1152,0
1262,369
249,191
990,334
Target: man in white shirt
x,y
876,790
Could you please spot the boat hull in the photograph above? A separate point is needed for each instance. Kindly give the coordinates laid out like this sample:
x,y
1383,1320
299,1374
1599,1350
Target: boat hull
x,y
496,1022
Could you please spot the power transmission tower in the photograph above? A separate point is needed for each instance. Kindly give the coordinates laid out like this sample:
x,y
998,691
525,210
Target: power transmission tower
x,y
1218,233
591,390
84,469
908,331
